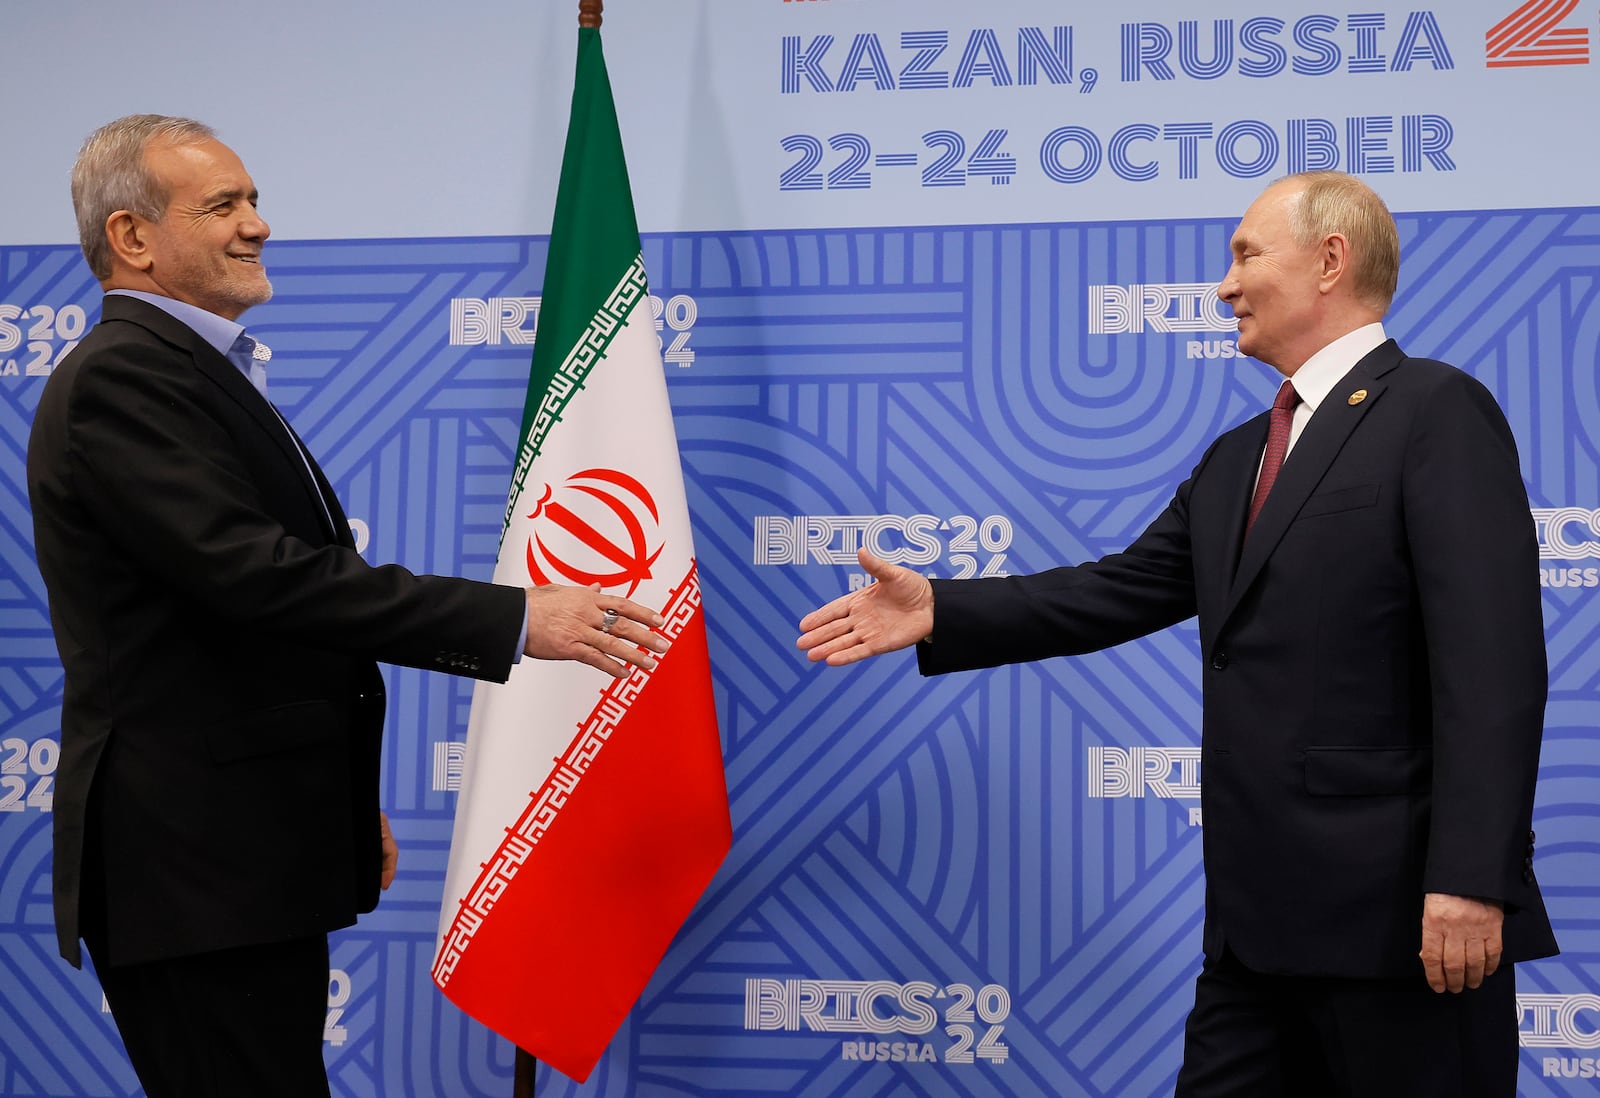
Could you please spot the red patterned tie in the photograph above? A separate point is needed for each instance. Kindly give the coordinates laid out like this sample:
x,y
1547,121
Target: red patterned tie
x,y
1277,447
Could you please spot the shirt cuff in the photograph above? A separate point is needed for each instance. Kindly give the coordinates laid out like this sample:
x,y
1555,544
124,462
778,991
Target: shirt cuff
x,y
522,641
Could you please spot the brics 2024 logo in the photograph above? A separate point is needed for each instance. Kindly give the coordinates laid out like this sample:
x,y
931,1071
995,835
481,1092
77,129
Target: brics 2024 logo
x,y
1557,1026
1168,773
512,321
1532,35
1165,307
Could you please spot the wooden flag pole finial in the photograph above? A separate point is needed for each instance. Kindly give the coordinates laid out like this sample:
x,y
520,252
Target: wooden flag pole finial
x,y
589,12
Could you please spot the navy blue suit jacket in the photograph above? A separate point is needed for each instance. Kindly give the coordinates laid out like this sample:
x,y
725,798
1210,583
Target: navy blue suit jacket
x,y
1373,665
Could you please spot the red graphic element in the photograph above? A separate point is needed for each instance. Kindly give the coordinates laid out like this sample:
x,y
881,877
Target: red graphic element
x,y
603,863
1529,36
601,527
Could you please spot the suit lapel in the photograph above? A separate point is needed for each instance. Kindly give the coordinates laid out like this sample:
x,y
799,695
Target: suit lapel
x,y
216,368
1335,419
330,500
1219,520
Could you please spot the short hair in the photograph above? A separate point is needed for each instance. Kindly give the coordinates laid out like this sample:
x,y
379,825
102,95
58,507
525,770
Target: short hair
x,y
1334,202
110,174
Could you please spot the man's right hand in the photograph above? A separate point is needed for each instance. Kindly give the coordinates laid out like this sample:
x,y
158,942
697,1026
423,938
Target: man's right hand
x,y
567,623
893,613
1461,940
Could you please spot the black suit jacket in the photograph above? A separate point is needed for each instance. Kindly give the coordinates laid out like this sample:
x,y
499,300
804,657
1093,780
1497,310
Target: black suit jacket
x,y
220,727
1374,667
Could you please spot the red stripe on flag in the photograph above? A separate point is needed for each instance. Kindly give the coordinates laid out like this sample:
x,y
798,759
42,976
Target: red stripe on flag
x,y
573,937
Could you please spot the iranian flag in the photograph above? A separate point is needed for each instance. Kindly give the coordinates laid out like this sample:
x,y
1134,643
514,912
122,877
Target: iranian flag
x,y
593,810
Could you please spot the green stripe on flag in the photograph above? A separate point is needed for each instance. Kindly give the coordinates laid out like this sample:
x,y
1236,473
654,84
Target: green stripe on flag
x,y
590,348
594,246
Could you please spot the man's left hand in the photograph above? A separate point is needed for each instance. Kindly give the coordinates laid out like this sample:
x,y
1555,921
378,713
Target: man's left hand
x,y
391,853
1460,940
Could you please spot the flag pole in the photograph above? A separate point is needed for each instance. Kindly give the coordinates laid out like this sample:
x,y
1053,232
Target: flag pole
x,y
522,1082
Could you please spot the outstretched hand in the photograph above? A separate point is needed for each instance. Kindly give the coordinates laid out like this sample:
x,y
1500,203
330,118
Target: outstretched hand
x,y
604,631
893,613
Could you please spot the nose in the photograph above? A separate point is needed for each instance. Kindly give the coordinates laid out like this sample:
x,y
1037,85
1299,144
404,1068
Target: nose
x,y
254,227
1228,288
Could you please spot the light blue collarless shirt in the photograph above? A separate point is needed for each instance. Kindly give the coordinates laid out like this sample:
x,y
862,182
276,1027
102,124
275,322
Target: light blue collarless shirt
x,y
221,333
218,331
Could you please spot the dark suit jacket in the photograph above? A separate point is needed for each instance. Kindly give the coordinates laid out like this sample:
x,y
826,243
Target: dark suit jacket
x,y
220,727
1374,667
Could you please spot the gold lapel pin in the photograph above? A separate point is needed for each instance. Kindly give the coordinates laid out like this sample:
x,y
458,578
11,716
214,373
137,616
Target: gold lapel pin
x,y
1357,397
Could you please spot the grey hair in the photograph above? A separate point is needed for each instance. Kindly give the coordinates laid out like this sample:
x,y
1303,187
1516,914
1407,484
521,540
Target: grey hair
x,y
110,175
1334,202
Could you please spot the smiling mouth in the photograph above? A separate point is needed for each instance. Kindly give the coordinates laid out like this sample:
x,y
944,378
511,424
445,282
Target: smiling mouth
x,y
255,259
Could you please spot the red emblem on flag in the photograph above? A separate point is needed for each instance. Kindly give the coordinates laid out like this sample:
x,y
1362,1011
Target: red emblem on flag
x,y
601,526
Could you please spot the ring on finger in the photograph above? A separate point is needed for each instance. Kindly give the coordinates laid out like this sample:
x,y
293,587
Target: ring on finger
x,y
608,619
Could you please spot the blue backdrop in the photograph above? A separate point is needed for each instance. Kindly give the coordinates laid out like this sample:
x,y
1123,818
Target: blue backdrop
x,y
931,279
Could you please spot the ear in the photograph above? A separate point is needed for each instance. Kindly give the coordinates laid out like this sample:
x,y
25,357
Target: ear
x,y
1333,261
128,234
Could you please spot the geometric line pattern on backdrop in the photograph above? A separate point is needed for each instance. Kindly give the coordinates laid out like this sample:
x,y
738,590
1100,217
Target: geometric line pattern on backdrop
x,y
885,826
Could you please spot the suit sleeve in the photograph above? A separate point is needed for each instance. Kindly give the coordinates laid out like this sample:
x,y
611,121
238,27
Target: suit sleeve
x,y
149,454
1475,558
1071,610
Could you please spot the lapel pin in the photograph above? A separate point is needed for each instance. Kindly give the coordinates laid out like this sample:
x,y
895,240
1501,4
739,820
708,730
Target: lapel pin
x,y
1357,397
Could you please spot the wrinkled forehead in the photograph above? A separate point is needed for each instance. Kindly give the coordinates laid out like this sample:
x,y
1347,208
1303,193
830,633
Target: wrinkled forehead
x,y
206,166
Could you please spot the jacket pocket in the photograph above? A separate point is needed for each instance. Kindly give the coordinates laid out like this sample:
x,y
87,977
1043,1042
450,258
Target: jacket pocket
x,y
1342,499
1367,771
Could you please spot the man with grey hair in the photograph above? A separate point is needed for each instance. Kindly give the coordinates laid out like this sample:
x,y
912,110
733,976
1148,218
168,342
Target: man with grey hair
x,y
217,809
1363,564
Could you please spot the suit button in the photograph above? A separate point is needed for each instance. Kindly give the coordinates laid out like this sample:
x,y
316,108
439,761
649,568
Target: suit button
x,y
1219,662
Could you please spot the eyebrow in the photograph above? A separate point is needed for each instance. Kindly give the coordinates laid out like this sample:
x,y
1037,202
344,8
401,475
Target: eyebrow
x,y
230,194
